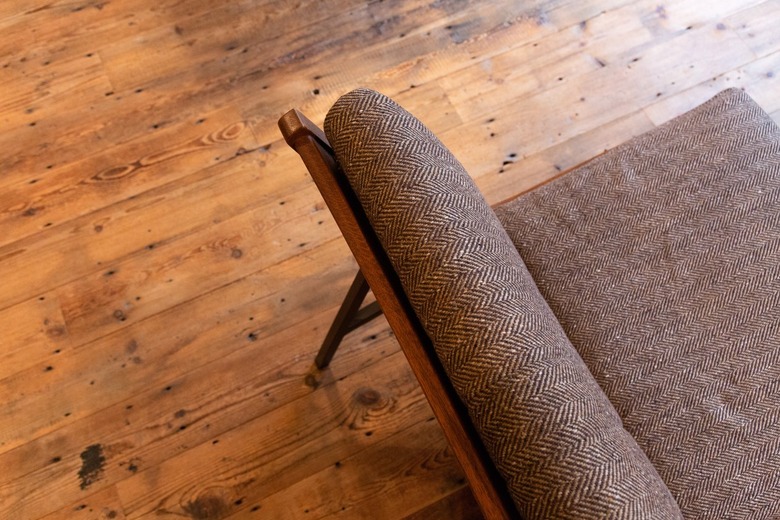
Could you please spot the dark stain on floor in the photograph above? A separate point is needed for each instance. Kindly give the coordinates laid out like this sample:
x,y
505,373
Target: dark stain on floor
x,y
207,507
92,464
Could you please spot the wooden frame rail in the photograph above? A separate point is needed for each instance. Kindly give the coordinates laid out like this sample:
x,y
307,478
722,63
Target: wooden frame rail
x,y
311,144
349,317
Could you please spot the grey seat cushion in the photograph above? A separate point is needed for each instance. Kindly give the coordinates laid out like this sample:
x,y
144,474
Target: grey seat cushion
x,y
660,260
550,429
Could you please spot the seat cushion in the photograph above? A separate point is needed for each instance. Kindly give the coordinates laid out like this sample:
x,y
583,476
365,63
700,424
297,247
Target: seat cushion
x,y
661,260
550,429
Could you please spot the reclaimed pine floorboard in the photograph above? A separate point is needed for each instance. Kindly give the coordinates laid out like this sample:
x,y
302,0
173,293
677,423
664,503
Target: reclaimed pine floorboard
x,y
168,269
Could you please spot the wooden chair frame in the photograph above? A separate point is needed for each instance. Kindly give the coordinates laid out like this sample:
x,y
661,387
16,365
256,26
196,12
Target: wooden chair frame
x,y
350,316
376,270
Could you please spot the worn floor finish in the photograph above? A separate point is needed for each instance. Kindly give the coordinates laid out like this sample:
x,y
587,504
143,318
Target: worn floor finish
x,y
167,268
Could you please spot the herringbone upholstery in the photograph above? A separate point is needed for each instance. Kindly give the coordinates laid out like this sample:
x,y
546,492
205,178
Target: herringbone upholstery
x,y
550,429
661,260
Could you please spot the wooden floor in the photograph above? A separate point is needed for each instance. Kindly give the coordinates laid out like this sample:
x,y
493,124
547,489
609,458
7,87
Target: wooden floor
x,y
168,269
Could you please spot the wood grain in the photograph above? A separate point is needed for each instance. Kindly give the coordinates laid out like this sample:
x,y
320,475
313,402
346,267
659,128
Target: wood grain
x,y
166,262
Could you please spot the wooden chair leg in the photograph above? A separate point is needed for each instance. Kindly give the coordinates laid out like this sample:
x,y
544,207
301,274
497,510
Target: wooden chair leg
x,y
349,317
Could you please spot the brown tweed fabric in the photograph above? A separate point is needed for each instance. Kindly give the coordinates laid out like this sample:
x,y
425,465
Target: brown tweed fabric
x,y
660,259
550,429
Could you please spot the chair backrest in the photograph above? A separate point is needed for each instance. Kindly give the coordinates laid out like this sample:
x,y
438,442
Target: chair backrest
x,y
311,144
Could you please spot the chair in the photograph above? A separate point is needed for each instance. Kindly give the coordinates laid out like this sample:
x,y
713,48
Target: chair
x,y
603,346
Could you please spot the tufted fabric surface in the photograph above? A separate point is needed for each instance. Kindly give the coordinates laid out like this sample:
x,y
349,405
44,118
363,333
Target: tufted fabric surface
x,y
661,260
550,429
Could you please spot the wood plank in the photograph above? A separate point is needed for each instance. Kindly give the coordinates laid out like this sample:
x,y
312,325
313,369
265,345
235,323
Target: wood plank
x,y
609,40
33,332
401,55
80,31
143,424
35,122
458,505
539,65
149,354
133,289
153,219
527,27
32,203
758,78
757,26
641,89
173,45
677,16
302,438
103,505
155,425
380,482
83,28
35,92
516,174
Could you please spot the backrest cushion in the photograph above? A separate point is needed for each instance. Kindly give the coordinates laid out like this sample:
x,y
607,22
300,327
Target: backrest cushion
x,y
551,431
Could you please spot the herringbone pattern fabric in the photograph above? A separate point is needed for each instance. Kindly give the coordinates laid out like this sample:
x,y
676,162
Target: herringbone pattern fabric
x,y
549,427
660,260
